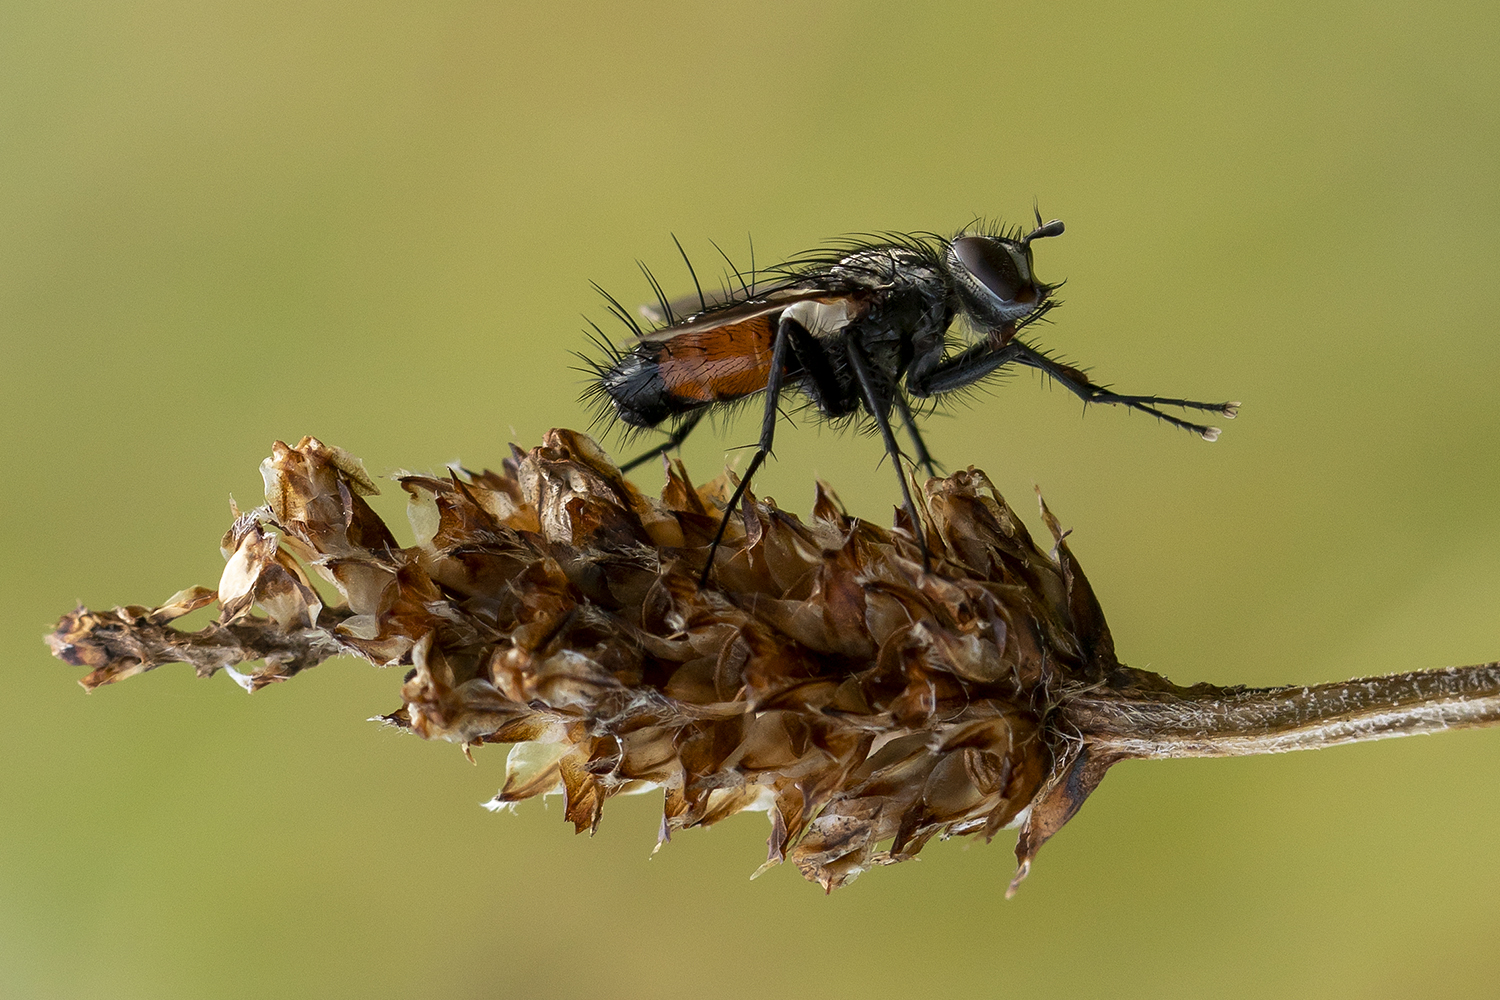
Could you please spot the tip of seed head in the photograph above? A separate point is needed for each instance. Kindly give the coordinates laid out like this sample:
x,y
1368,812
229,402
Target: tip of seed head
x,y
1015,883
1211,433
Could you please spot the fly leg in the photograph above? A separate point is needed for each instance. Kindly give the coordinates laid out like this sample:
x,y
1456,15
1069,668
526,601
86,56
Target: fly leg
x,y
879,409
1079,385
970,366
934,375
674,441
767,436
924,458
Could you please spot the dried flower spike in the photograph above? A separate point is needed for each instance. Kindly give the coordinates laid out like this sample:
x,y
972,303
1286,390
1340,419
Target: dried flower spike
x,y
825,678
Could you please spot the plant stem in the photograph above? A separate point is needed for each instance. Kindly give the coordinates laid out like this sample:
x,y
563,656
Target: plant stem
x,y
1153,720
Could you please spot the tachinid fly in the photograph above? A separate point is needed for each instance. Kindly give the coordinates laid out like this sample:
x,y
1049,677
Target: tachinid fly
x,y
863,329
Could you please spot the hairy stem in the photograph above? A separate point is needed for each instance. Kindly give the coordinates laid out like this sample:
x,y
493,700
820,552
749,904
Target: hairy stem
x,y
1205,721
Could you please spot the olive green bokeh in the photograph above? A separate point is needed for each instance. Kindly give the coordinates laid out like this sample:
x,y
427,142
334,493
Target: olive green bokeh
x,y
224,224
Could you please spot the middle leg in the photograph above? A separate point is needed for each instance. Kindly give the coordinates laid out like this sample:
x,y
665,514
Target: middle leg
x,y
878,408
924,458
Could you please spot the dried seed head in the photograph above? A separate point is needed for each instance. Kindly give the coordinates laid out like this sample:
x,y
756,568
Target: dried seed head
x,y
866,705
824,677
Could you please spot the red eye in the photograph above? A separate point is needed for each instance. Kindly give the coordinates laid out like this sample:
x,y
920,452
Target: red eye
x,y
992,265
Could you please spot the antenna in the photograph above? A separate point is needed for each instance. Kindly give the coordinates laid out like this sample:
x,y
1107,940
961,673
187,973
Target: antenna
x,y
1053,228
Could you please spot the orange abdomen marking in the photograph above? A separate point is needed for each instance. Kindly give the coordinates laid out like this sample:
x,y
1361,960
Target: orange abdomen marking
x,y
722,363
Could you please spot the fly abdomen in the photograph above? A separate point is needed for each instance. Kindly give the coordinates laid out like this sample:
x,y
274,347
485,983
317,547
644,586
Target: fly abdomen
x,y
635,387
720,363
664,378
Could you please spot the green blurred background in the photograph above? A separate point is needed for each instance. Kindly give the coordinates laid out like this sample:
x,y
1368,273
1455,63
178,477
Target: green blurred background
x,y
222,224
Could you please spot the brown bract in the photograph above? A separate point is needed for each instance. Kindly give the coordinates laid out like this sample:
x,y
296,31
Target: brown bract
x,y
824,677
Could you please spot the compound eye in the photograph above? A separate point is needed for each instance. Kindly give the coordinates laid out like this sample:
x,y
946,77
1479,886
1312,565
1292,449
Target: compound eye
x,y
993,265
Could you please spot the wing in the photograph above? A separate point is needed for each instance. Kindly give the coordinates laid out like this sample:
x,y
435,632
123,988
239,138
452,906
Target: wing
x,y
840,305
842,276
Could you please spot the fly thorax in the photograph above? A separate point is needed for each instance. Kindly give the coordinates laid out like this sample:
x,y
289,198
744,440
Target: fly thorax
x,y
887,268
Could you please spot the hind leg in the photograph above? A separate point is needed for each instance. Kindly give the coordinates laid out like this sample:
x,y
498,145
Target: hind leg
x,y
678,435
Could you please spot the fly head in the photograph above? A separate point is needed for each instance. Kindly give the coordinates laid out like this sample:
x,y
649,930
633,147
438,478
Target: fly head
x,y
994,276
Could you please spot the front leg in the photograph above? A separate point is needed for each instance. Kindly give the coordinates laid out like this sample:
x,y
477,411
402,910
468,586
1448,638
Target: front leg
x,y
975,363
933,375
1076,382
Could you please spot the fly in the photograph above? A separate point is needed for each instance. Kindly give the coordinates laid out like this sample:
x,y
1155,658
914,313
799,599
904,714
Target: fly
x,y
861,330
